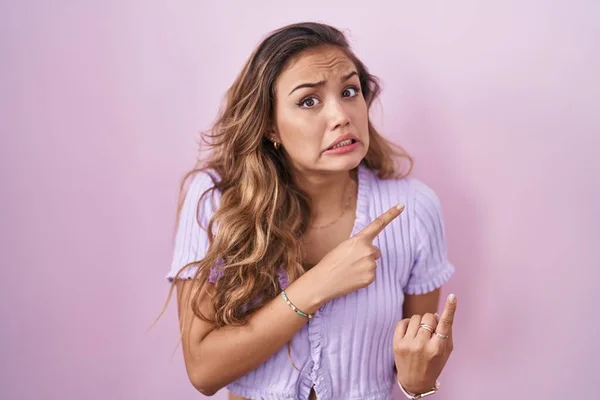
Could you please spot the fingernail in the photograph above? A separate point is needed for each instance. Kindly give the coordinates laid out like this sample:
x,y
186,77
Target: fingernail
x,y
452,298
437,315
400,207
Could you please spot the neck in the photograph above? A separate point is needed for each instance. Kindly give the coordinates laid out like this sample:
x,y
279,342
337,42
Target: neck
x,y
328,192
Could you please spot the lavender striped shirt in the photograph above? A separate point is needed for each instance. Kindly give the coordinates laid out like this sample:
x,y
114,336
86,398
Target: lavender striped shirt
x,y
345,351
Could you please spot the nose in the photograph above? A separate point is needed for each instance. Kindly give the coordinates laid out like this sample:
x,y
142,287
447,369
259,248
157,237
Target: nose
x,y
338,116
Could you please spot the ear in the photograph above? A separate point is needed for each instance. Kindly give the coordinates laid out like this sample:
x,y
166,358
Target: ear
x,y
273,136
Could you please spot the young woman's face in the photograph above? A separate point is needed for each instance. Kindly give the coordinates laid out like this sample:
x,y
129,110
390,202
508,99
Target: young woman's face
x,y
318,103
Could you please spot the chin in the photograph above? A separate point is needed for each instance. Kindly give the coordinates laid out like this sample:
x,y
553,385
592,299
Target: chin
x,y
345,163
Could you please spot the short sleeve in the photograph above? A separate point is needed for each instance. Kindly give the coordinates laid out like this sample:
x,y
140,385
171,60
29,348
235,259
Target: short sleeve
x,y
191,238
431,267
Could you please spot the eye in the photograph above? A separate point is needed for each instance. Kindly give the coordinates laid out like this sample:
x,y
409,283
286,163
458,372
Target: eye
x,y
308,102
351,91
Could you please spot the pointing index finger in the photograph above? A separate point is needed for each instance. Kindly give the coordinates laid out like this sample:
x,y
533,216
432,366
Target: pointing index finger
x,y
375,227
447,319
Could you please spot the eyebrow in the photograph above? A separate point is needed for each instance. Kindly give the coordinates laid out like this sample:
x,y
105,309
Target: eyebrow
x,y
322,83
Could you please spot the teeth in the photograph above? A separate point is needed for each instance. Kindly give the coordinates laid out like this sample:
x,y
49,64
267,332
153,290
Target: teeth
x,y
344,143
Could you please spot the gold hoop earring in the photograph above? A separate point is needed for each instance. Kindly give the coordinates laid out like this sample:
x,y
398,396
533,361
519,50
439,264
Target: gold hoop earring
x,y
275,144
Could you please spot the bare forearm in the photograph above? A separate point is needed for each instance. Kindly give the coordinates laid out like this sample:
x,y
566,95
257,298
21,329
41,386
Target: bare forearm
x,y
228,353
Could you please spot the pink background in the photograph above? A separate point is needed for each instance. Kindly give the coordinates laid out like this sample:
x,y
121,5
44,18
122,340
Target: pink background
x,y
100,105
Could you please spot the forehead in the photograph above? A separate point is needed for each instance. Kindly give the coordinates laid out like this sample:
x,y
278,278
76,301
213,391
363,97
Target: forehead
x,y
313,65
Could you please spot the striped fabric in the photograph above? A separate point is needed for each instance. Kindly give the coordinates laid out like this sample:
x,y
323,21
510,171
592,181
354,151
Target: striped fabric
x,y
345,351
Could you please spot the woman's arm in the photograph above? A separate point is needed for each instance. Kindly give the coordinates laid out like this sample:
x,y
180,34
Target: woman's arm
x,y
421,304
216,357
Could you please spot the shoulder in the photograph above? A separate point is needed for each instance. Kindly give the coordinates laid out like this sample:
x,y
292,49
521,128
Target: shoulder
x,y
200,196
414,193
423,210
202,180
199,182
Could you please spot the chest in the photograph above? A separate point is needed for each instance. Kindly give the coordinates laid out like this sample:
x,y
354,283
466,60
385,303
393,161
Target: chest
x,y
318,242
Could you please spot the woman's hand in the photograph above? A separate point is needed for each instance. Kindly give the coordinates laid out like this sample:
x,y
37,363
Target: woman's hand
x,y
422,346
352,264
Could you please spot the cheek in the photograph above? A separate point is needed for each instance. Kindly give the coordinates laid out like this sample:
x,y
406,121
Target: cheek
x,y
300,131
361,118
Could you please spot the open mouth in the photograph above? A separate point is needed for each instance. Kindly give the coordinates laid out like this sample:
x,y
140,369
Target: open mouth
x,y
343,143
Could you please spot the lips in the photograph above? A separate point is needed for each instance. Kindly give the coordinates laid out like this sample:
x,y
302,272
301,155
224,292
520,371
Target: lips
x,y
342,144
343,140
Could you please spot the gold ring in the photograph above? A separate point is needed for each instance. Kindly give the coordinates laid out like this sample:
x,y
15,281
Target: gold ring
x,y
427,328
441,335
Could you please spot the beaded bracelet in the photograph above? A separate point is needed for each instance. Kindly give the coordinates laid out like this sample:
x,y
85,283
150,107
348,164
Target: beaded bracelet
x,y
289,303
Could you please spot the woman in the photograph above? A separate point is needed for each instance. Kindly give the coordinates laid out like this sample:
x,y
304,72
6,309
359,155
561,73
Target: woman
x,y
299,248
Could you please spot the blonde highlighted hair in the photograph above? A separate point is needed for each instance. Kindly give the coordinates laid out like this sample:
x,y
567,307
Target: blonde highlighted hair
x,y
262,213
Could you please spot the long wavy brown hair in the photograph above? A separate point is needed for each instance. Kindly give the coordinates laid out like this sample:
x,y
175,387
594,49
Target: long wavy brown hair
x,y
262,212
